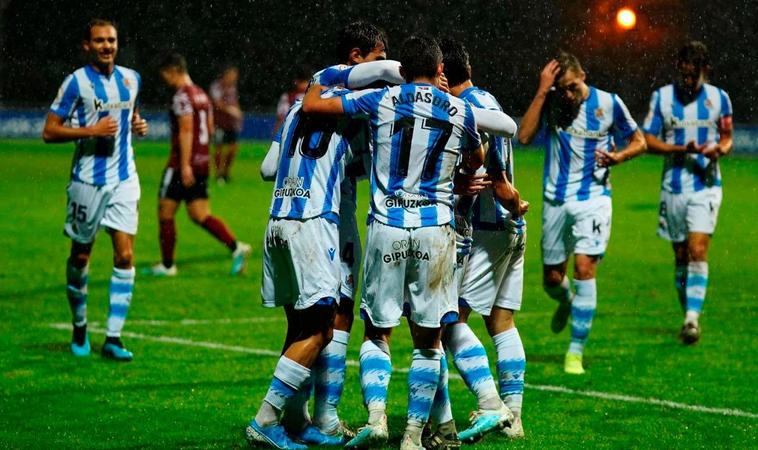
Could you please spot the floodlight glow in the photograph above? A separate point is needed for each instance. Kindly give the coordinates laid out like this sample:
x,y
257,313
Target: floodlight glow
x,y
626,18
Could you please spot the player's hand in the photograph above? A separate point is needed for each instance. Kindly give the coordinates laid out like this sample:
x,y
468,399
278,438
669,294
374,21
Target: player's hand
x,y
188,178
464,184
712,152
104,127
692,147
139,125
523,207
547,77
443,86
608,159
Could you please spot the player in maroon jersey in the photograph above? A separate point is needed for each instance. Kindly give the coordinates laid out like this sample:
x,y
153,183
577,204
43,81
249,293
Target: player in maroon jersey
x,y
228,115
186,174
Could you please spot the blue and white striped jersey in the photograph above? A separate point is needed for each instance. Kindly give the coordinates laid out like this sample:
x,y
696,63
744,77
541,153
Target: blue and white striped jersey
x,y
419,133
570,171
85,97
332,76
679,124
313,153
488,213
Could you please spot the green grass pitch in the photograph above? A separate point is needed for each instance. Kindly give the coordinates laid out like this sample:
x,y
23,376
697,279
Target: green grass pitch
x,y
205,348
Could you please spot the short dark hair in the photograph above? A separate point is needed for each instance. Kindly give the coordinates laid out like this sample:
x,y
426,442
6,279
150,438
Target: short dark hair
x,y
567,61
456,60
173,61
87,35
695,53
361,35
420,55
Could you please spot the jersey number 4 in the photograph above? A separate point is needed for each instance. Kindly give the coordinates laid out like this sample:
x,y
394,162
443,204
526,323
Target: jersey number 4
x,y
405,127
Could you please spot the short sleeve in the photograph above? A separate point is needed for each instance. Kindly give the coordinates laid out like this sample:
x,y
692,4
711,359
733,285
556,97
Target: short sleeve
x,y
68,96
654,119
181,104
726,104
622,120
362,102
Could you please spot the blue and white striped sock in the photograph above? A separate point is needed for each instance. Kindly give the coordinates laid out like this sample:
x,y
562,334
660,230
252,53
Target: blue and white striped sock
x,y
511,366
289,378
697,283
441,409
582,311
680,283
470,359
120,294
329,379
423,377
76,290
376,370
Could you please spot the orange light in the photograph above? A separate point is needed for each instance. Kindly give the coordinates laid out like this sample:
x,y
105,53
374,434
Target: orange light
x,y
626,18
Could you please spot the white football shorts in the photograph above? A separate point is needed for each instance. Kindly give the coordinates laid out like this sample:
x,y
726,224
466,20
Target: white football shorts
x,y
90,207
409,265
300,263
693,212
582,227
494,274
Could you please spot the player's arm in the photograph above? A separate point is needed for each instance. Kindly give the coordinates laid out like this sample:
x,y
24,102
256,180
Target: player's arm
x,y
636,146
508,196
56,131
530,123
186,131
724,146
364,74
270,162
313,103
495,122
139,125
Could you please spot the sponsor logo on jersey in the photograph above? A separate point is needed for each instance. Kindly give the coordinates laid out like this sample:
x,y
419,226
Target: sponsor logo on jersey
x,y
292,187
406,249
402,199
685,123
100,105
585,133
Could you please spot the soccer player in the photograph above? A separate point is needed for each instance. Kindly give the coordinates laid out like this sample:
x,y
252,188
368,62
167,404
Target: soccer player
x,y
576,216
357,43
419,133
228,119
96,108
492,281
310,192
186,174
690,124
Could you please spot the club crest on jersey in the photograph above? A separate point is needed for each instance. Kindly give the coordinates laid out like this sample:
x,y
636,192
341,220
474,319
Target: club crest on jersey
x,y
292,187
405,200
599,113
708,103
127,83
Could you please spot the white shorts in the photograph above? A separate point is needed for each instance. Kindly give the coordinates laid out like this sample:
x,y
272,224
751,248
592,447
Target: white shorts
x,y
350,254
300,262
90,207
413,266
694,212
494,275
582,227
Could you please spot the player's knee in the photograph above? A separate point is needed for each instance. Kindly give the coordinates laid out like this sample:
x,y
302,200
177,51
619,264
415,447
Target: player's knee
x,y
122,258
698,251
551,279
197,217
79,260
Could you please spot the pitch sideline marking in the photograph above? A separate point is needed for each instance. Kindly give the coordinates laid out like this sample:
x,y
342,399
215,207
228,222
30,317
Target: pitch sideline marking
x,y
537,387
185,322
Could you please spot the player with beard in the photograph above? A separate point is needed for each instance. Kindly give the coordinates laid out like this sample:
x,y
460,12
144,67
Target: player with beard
x,y
576,216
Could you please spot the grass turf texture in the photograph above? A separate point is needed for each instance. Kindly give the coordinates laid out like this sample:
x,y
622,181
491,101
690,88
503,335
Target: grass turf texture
x,y
176,395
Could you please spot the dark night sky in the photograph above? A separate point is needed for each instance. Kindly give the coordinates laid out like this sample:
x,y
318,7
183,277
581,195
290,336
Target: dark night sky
x,y
509,42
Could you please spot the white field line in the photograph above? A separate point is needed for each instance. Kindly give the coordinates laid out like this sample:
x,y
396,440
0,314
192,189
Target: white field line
x,y
537,387
187,322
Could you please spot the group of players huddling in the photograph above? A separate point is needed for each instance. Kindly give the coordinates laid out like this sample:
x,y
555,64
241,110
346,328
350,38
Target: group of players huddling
x,y
446,232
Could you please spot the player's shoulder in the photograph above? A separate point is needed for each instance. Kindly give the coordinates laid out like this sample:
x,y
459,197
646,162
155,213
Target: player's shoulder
x,y
331,75
127,72
481,98
712,90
